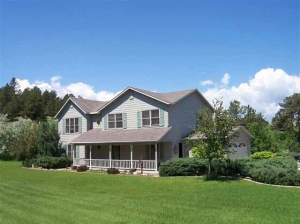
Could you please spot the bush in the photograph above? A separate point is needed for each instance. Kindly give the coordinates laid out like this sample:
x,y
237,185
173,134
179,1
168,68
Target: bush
x,y
263,155
183,167
48,162
82,168
278,176
113,171
29,162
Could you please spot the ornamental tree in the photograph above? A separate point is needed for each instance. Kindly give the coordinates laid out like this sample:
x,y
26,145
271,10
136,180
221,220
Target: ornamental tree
x,y
213,133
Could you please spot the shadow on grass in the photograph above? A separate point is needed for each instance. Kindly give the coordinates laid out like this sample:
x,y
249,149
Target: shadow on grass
x,y
215,177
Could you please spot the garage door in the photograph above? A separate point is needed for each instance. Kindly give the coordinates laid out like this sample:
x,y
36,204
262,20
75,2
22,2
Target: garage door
x,y
239,149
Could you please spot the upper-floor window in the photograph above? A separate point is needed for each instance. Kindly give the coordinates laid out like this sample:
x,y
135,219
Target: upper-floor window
x,y
150,118
115,121
72,125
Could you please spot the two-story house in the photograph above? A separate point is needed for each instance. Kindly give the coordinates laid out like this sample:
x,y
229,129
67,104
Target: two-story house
x,y
137,125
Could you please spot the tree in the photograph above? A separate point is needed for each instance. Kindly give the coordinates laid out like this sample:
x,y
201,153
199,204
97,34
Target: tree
x,y
288,116
48,139
213,132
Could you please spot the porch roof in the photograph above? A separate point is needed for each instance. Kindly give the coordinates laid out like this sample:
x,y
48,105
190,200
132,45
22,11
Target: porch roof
x,y
95,136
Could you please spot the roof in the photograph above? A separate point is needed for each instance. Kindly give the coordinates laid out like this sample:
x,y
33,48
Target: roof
x,y
88,105
94,107
244,129
170,97
167,98
121,135
235,129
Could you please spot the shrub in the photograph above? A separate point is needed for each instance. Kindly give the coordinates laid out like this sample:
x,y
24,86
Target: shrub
x,y
278,176
113,171
48,162
29,162
263,155
82,168
183,167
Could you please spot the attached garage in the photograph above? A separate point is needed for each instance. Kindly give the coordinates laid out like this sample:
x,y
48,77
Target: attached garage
x,y
241,145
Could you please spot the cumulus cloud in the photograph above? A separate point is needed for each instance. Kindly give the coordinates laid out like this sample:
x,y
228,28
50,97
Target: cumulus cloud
x,y
79,88
206,83
263,92
225,79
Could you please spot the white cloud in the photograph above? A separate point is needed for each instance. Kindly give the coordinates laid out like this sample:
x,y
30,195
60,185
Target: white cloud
x,y
79,88
225,79
206,83
263,92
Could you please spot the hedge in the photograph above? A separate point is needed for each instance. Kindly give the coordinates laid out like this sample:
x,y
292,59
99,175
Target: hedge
x,y
278,170
48,162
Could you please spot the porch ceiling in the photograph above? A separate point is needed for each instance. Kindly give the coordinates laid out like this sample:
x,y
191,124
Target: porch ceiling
x,y
122,135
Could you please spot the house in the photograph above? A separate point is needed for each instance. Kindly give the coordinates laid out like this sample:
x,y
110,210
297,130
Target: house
x,y
240,146
136,125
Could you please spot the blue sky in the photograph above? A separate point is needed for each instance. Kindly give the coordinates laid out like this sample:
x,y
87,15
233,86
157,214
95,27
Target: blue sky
x,y
155,45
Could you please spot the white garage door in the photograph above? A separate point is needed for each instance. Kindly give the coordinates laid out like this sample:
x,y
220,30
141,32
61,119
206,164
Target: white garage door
x,y
239,149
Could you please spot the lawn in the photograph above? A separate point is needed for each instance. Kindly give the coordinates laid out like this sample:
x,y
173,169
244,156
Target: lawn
x,y
36,196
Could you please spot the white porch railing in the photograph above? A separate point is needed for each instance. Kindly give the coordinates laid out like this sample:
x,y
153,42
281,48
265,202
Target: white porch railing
x,y
120,164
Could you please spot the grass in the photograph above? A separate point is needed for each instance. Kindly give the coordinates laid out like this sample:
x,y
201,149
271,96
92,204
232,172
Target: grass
x,y
36,196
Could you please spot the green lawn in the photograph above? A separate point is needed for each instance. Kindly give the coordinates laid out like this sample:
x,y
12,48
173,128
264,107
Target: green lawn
x,y
35,196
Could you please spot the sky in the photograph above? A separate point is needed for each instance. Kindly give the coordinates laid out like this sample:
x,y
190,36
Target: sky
x,y
230,50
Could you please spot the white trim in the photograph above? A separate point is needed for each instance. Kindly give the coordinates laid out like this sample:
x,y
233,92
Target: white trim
x,y
150,118
245,130
125,90
66,104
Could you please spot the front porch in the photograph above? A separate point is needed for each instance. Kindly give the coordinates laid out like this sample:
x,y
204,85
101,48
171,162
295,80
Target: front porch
x,y
120,164
125,156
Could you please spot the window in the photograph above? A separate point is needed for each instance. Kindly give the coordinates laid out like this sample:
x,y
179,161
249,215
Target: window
x,y
72,125
115,121
150,118
69,151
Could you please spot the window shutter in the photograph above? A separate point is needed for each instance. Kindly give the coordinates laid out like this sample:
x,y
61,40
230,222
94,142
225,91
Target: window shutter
x,y
80,124
77,152
124,117
161,151
139,119
147,152
161,118
64,126
104,127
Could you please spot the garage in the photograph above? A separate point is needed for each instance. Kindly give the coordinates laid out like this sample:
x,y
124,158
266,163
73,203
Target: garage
x,y
238,150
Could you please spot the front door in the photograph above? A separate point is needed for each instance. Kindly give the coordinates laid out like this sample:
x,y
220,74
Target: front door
x,y
116,152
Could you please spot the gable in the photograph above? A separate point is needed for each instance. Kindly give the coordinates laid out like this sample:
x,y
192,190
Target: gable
x,y
131,103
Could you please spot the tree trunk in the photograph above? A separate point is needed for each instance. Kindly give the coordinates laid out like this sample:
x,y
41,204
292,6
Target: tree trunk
x,y
209,166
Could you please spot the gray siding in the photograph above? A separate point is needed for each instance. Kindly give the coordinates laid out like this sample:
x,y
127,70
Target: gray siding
x,y
182,118
72,111
130,103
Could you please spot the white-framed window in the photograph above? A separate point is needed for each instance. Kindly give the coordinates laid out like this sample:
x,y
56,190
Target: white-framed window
x,y
115,120
150,118
72,125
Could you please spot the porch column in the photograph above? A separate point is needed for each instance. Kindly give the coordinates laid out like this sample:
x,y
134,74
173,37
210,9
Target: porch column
x,y
131,155
90,156
73,149
156,156
110,156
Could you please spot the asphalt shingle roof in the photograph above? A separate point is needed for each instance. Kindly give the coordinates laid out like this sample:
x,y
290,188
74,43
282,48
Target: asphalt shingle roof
x,y
122,135
88,105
